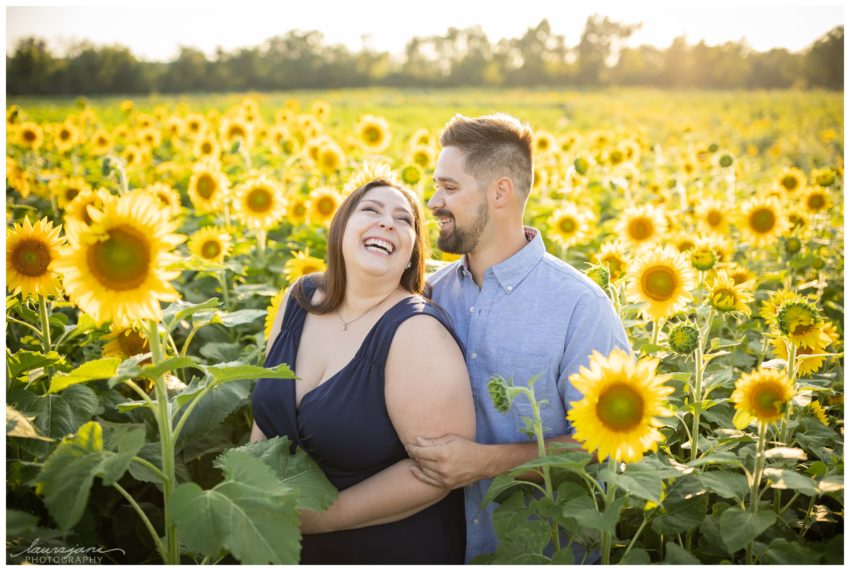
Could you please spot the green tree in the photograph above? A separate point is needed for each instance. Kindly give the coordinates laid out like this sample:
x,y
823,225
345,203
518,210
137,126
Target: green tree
x,y
824,62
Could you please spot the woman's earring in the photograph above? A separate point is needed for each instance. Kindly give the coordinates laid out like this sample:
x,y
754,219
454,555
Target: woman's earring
x,y
407,267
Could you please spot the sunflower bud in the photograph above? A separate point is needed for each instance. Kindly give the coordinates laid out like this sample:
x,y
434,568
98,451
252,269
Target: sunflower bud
x,y
581,165
792,245
726,161
713,147
683,338
703,259
106,166
797,319
600,275
499,394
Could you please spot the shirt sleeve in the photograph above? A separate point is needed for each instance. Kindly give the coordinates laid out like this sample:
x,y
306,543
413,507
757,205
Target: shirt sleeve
x,y
594,326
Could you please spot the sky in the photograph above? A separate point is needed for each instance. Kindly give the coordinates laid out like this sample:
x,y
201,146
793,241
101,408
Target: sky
x,y
156,32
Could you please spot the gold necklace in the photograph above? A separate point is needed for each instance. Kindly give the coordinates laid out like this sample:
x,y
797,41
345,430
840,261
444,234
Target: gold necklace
x,y
345,323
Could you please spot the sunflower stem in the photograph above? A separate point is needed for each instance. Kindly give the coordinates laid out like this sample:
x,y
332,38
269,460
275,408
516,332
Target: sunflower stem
x,y
45,324
636,535
163,419
188,340
157,541
25,324
222,279
757,472
261,243
656,329
699,370
805,525
611,491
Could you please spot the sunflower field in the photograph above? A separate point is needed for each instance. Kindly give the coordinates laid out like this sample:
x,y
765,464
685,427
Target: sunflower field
x,y
149,243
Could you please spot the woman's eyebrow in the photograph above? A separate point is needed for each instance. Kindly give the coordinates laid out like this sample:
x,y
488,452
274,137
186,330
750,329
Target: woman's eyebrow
x,y
382,205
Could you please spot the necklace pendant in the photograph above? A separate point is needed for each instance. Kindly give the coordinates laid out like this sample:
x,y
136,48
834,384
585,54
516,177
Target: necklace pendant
x,y
345,326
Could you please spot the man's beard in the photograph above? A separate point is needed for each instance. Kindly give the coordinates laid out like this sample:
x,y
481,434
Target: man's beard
x,y
464,240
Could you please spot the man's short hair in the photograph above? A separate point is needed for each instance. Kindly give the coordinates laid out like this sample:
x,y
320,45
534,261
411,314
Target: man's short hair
x,y
495,146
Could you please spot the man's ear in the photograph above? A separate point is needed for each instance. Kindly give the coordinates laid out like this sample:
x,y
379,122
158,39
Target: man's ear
x,y
504,192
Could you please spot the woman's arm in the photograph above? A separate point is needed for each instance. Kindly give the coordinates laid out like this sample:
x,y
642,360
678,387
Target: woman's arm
x,y
426,389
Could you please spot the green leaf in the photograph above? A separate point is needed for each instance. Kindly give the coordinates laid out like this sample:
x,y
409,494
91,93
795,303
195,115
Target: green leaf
x,y
23,361
250,514
230,319
573,461
678,556
784,552
722,457
215,406
585,513
728,485
520,537
563,557
237,371
831,483
501,484
680,515
115,465
738,528
638,480
55,415
222,352
298,471
636,556
785,453
90,371
180,310
20,426
18,522
791,480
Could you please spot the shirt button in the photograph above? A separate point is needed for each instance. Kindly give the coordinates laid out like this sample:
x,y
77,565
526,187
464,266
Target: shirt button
x,y
510,288
476,521
472,309
474,355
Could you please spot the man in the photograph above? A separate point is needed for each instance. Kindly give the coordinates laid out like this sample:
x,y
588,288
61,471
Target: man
x,y
519,311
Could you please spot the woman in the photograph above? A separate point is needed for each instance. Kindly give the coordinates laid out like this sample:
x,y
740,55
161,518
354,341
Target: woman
x,y
376,366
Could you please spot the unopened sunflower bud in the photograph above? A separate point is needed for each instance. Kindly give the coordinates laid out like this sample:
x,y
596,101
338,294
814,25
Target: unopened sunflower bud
x,y
793,245
600,275
683,338
499,394
703,259
726,161
581,164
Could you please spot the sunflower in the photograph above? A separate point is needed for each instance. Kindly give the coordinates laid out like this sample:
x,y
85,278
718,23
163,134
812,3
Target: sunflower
x,y
725,296
175,127
640,226
330,157
816,200
823,176
206,147
683,338
663,279
617,416
613,256
761,395
30,135
738,273
770,307
791,180
818,412
207,187
167,196
114,269
195,124
703,254
149,138
570,225
101,142
323,205
259,203
805,361
134,156
543,144
297,208
762,221
234,129
272,310
713,216
283,139
321,110
66,136
127,106
373,133
77,210
210,244
800,322
422,156
125,342
411,174
67,189
302,264
30,251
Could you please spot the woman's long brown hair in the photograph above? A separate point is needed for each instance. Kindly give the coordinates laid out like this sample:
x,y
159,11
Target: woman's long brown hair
x,y
333,280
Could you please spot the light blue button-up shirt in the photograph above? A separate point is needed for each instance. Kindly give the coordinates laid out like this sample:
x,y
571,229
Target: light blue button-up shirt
x,y
534,314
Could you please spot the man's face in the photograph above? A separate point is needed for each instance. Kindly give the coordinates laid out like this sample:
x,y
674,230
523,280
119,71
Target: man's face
x,y
458,203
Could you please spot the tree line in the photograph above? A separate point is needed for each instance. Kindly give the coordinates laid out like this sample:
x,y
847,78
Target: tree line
x,y
459,58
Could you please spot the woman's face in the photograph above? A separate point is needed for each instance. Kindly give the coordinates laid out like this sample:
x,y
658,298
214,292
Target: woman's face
x,y
380,234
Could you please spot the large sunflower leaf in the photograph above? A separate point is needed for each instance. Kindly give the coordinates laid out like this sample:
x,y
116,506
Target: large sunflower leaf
x,y
639,480
90,371
237,371
738,528
56,415
250,513
24,361
20,426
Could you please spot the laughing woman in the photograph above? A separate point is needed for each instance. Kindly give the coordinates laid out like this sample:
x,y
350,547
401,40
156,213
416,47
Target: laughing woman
x,y
377,365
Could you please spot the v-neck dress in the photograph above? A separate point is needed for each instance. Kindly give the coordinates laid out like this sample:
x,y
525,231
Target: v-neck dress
x,y
344,426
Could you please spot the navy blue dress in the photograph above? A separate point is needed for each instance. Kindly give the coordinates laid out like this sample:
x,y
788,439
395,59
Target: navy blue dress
x,y
344,426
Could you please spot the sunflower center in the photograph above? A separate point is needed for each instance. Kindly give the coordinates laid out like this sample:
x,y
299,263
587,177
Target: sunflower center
x,y
132,343
640,228
659,283
259,200
300,209
31,257
762,220
206,147
325,206
767,400
211,249
236,132
70,193
816,202
615,265
372,134
206,186
122,261
567,225
620,408
789,182
64,135
714,218
29,136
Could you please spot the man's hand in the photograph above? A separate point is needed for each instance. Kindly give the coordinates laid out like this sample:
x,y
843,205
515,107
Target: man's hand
x,y
450,461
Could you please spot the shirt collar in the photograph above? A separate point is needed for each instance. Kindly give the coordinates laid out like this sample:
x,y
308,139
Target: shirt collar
x,y
512,271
